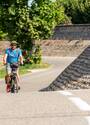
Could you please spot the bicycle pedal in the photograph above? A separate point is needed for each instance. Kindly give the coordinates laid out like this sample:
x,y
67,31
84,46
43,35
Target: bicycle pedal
x,y
19,88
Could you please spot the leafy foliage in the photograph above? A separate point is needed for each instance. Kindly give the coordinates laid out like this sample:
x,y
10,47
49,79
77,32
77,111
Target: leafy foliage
x,y
45,15
77,10
26,24
2,35
34,56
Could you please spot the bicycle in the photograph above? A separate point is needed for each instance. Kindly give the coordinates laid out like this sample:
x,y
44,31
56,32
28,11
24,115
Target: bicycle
x,y
12,79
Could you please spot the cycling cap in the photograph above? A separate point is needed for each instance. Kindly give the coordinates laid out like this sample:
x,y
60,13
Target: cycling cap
x,y
13,43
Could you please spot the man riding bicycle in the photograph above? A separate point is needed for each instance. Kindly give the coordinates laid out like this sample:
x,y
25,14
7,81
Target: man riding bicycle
x,y
12,56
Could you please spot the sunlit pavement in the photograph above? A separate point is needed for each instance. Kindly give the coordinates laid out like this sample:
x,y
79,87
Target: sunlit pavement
x,y
44,108
47,108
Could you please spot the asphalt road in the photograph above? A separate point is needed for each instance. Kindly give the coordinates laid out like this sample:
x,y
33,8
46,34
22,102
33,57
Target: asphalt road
x,y
30,107
38,79
42,78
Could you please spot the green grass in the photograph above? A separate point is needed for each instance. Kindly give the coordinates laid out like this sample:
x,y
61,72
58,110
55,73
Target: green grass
x,y
0,64
2,73
24,69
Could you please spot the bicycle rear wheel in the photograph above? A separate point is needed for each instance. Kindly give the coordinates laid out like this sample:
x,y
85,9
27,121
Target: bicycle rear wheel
x,y
12,88
14,85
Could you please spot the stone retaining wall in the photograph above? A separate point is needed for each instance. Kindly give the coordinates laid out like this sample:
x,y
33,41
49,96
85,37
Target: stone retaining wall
x,y
63,47
73,32
75,76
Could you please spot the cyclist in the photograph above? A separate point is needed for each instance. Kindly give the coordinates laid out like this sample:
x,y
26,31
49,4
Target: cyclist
x,y
12,56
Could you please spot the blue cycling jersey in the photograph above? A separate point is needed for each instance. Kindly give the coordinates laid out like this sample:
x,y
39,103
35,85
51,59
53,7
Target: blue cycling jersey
x,y
13,55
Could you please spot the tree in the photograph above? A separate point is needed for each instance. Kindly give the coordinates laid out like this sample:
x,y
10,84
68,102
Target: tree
x,y
77,10
25,24
2,34
45,15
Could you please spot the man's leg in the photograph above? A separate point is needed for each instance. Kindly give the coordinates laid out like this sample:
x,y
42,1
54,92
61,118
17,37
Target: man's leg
x,y
18,78
7,77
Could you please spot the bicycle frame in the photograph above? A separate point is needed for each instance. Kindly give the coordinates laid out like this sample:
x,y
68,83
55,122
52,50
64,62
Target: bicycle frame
x,y
13,82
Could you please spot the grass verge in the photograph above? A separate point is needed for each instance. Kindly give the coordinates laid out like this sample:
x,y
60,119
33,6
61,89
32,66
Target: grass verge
x,y
26,69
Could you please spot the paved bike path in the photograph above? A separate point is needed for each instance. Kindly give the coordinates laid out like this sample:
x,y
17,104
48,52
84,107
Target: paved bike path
x,y
47,108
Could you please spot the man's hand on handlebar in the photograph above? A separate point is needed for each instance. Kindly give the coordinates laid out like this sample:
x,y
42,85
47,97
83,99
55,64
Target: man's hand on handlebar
x,y
21,63
4,63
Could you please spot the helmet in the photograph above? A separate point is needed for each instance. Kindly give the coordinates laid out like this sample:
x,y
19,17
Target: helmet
x,y
13,43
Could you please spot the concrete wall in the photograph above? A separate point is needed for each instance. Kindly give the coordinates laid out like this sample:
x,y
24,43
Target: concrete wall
x,y
72,32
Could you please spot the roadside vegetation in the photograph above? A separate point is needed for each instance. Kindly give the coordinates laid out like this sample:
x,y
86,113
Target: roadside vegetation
x,y
26,68
78,11
29,24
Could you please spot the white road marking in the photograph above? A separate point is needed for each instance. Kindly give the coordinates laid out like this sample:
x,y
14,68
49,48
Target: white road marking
x,y
66,93
88,119
80,103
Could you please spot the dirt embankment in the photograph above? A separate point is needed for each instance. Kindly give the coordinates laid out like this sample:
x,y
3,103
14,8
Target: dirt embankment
x,y
3,46
57,47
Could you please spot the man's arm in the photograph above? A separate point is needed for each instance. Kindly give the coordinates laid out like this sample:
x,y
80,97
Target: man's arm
x,y
5,59
21,59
